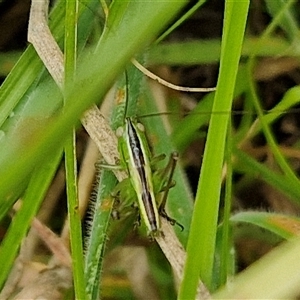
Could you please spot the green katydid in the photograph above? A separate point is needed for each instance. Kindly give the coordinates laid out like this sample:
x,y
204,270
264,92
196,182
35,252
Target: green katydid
x,y
135,156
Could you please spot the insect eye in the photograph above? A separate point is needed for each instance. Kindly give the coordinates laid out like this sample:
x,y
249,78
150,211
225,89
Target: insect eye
x,y
119,131
140,126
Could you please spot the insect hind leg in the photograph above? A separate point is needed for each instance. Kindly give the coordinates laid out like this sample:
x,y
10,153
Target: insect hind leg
x,y
170,183
172,221
170,168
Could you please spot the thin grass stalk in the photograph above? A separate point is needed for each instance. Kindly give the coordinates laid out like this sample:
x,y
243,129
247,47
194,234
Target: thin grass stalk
x,y
70,155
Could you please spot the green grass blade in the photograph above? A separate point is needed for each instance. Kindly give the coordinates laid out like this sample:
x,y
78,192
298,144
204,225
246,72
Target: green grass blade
x,y
36,190
280,224
74,218
181,20
226,238
128,92
97,233
201,243
275,276
290,99
38,106
288,22
277,180
70,156
27,69
208,51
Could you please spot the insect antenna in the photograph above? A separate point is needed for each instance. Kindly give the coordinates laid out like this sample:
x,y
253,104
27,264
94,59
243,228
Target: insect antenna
x,y
232,112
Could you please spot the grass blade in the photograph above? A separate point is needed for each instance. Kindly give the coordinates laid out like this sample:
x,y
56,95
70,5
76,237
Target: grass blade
x,y
201,243
34,196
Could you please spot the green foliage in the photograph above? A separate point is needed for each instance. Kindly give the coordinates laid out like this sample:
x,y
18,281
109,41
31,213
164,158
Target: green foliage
x,y
37,120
